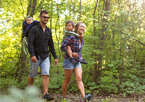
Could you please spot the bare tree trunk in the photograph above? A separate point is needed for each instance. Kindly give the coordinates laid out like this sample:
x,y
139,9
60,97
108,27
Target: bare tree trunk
x,y
22,70
56,30
23,57
101,43
22,8
29,6
94,23
33,8
80,11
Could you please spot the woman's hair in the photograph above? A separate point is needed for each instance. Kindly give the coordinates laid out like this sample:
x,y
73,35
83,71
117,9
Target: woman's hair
x,y
43,11
70,22
77,25
29,17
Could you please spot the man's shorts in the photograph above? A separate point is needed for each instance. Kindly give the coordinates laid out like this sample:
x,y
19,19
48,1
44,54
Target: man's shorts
x,y
44,65
70,66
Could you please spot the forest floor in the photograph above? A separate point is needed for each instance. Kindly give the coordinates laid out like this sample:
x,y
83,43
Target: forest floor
x,y
75,97
100,98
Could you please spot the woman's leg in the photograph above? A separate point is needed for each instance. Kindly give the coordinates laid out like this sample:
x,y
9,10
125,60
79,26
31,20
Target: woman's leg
x,y
78,74
68,74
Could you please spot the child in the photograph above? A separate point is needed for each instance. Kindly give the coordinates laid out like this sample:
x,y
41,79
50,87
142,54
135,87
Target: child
x,y
69,26
27,25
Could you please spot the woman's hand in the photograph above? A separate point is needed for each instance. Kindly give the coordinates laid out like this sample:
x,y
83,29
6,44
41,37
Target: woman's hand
x,y
75,55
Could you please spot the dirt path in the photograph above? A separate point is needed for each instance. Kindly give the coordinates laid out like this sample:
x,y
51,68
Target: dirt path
x,y
76,98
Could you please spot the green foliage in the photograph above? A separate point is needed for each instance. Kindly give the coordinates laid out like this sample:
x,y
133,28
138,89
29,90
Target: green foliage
x,y
6,83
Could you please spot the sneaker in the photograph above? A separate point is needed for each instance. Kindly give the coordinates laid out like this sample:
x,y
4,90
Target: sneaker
x,y
83,61
72,60
48,97
87,98
65,99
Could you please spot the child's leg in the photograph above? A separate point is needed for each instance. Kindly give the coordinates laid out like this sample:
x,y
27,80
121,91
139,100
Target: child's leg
x,y
69,51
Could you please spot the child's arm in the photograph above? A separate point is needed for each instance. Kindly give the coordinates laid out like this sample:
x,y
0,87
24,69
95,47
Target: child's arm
x,y
69,51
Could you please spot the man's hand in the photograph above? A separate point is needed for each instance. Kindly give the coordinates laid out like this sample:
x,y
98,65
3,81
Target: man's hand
x,y
34,59
56,62
75,55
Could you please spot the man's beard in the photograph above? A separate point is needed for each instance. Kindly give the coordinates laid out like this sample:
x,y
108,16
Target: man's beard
x,y
44,22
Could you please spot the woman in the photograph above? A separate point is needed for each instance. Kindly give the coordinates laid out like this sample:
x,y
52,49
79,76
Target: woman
x,y
76,46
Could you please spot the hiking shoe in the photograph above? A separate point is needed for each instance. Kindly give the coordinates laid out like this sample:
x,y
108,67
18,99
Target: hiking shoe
x,y
65,99
87,98
48,97
72,60
83,61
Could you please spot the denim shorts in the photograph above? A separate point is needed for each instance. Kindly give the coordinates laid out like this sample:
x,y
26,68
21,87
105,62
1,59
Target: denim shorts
x,y
44,65
70,66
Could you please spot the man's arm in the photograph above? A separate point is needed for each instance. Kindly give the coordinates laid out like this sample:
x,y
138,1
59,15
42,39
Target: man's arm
x,y
30,45
51,46
30,42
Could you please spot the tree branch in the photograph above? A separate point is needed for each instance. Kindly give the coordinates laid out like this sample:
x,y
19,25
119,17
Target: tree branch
x,y
28,8
80,11
22,8
33,8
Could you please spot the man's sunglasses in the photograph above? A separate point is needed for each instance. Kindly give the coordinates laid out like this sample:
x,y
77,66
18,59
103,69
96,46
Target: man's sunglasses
x,y
45,17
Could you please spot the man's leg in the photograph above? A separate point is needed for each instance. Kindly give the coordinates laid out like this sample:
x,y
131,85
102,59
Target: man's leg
x,y
45,83
33,72
68,74
30,81
45,66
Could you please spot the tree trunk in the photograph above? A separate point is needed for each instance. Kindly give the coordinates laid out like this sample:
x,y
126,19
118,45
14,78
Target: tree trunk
x,y
29,7
23,56
80,11
56,30
33,8
100,45
94,23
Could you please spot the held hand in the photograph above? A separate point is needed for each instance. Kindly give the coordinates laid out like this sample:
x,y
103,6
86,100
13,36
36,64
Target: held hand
x,y
34,59
75,55
56,62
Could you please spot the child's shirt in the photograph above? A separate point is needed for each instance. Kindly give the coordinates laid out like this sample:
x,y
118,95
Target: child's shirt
x,y
68,33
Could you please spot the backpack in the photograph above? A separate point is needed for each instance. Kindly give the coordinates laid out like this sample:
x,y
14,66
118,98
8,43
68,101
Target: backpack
x,y
26,34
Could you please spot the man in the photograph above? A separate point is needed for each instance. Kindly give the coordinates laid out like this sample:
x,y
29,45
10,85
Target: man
x,y
40,38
